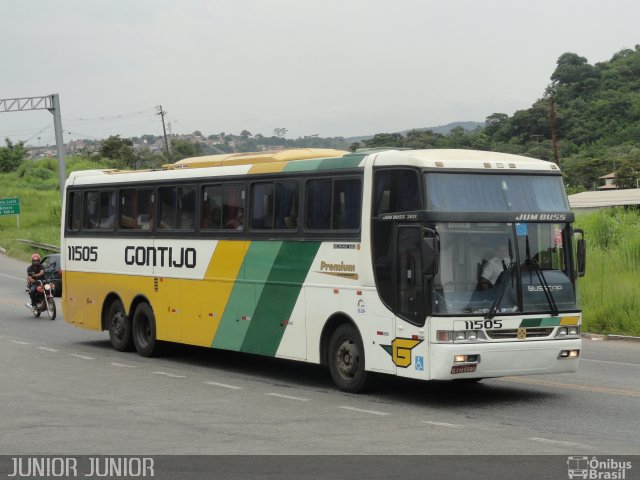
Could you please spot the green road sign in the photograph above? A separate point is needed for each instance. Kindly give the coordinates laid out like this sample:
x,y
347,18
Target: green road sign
x,y
9,206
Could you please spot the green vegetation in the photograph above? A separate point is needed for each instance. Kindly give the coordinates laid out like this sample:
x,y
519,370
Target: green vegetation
x,y
610,290
598,123
36,184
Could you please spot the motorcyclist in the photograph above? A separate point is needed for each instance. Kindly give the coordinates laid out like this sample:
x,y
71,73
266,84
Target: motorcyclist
x,y
35,272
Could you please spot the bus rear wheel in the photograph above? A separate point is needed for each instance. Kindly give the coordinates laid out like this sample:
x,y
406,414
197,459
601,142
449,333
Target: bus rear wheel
x,y
346,359
119,326
144,331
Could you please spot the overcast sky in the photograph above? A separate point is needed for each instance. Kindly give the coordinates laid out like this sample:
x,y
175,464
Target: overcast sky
x,y
326,67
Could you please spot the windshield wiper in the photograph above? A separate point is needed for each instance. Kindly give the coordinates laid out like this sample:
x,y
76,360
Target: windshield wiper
x,y
543,280
545,288
508,273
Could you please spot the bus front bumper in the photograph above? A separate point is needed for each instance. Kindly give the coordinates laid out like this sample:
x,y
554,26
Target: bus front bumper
x,y
452,361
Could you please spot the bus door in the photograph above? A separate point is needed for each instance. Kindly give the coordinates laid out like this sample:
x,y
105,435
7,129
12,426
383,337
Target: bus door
x,y
409,350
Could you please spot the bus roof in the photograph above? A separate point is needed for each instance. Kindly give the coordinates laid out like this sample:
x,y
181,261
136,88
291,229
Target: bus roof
x,y
311,159
462,159
246,158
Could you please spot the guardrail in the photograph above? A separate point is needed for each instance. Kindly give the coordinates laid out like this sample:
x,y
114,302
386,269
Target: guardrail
x,y
41,246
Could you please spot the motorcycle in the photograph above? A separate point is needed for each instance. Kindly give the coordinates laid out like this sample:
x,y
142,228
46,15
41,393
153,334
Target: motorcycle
x,y
44,299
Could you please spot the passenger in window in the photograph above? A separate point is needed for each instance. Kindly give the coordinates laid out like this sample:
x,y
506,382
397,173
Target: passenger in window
x,y
494,267
236,223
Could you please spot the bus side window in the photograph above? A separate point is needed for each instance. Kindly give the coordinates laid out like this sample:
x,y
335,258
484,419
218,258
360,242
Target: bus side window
x,y
99,210
211,217
347,204
233,207
286,207
186,208
74,211
396,190
319,204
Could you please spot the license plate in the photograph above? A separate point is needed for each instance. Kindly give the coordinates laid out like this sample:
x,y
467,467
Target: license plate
x,y
463,369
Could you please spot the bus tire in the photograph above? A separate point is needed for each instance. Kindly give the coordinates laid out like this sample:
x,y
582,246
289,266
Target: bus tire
x,y
119,326
346,359
144,331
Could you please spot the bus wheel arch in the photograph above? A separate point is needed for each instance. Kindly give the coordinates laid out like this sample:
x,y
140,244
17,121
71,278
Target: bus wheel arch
x,y
342,348
116,321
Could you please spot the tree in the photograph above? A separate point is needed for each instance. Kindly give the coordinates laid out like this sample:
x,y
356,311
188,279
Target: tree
x,y
12,156
385,140
245,134
183,149
628,174
280,132
119,149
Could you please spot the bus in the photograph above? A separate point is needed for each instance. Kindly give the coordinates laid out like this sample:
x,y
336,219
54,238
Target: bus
x,y
425,264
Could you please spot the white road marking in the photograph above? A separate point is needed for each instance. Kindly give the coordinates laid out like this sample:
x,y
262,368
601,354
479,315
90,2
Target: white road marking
x,y
557,442
373,412
84,357
12,277
607,361
48,349
172,375
20,343
223,385
288,397
442,424
115,364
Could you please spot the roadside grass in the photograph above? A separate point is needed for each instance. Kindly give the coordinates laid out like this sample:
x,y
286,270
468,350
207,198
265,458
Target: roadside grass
x,y
609,292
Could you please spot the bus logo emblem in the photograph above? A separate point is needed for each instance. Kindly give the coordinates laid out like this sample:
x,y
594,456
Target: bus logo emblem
x,y
522,333
400,350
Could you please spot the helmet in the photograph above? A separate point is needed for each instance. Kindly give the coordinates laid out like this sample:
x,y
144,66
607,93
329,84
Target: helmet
x,y
35,257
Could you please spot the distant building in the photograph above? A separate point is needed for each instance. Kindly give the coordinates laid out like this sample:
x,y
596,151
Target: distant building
x,y
612,197
609,182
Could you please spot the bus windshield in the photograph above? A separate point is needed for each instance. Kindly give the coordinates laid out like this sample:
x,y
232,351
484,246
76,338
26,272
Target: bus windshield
x,y
507,268
489,192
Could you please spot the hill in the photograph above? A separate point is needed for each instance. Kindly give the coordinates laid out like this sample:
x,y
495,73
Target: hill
x,y
597,110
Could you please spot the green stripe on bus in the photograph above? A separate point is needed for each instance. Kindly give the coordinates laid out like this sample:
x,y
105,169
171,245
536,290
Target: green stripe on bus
x,y
530,322
279,296
550,322
246,291
340,162
540,322
302,165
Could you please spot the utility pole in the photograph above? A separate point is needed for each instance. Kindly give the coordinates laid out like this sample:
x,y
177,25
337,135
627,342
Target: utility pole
x,y
162,113
554,137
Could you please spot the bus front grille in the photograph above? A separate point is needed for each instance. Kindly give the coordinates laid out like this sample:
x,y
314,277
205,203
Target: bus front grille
x,y
513,333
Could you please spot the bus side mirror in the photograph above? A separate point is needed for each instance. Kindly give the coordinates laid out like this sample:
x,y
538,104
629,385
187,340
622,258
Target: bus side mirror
x,y
581,253
430,252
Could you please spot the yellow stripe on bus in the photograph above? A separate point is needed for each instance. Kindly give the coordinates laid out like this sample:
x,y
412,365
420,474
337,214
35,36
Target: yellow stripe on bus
x,y
573,320
204,301
268,167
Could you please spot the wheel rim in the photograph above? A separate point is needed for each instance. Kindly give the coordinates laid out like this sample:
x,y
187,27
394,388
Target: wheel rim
x,y
348,358
118,326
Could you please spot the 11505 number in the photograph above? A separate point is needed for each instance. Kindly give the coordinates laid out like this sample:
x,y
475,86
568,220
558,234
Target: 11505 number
x,y
82,254
479,324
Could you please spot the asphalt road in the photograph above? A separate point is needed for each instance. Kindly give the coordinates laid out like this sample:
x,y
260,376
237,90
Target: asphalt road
x,y
65,391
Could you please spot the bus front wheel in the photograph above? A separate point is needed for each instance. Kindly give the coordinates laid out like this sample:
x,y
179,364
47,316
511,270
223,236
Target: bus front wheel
x,y
346,359
144,331
119,326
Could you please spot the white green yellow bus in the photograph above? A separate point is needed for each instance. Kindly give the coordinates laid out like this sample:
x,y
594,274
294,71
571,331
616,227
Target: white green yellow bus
x,y
378,261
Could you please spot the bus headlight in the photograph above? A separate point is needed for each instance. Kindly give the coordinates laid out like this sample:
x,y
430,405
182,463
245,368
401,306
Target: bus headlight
x,y
573,330
460,336
562,332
